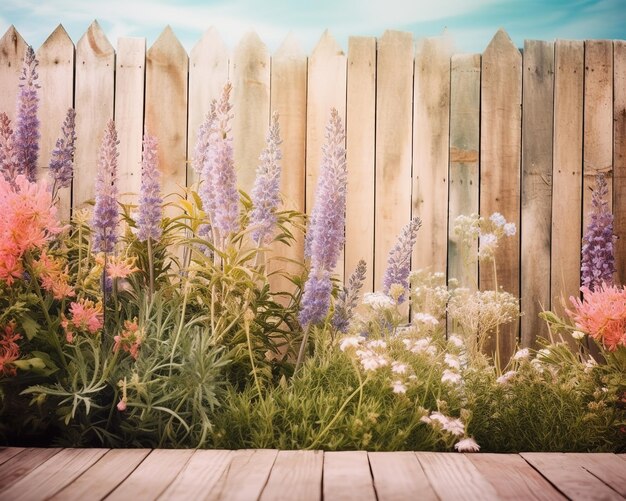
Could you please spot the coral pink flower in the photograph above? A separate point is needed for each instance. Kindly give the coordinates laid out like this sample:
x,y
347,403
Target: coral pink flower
x,y
121,405
602,315
9,350
129,339
118,267
54,276
86,315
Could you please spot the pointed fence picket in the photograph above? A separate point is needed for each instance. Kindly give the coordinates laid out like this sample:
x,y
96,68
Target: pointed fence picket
x,y
428,133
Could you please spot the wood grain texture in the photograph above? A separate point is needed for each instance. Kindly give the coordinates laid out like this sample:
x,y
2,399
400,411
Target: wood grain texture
x,y
153,476
166,107
200,475
398,476
251,106
208,72
453,476
7,453
23,464
295,475
500,145
56,77
513,478
12,50
361,155
130,65
567,174
93,100
431,139
606,466
536,230
104,476
394,103
566,474
245,476
464,158
53,475
619,157
347,476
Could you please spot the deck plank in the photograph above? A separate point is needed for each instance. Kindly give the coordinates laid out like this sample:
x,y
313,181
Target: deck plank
x,y
453,476
104,476
606,466
7,453
156,472
513,478
347,476
569,477
398,476
200,475
23,464
246,476
295,475
53,474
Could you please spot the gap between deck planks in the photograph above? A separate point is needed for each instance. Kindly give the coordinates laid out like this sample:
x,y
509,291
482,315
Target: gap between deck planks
x,y
64,474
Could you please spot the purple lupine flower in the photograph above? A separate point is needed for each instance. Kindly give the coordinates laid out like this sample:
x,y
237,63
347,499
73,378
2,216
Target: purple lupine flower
x,y
266,190
399,260
597,260
203,168
150,200
349,297
325,236
203,139
8,160
316,298
26,141
61,166
106,214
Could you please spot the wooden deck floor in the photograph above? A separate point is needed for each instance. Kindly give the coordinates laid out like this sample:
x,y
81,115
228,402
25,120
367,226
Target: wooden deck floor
x,y
142,474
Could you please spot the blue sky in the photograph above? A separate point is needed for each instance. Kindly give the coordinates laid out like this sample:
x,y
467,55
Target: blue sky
x,y
470,23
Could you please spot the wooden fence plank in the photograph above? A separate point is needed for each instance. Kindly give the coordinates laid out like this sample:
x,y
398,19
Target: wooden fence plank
x,y
453,476
200,475
361,155
394,95
295,475
464,157
537,126
166,107
288,98
93,100
513,478
104,476
23,464
347,476
129,93
246,475
606,466
326,89
56,77
619,157
500,141
567,174
251,105
398,476
568,476
208,72
7,453
431,138
53,475
12,50
153,476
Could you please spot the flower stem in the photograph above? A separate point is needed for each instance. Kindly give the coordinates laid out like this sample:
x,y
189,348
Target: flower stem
x,y
305,340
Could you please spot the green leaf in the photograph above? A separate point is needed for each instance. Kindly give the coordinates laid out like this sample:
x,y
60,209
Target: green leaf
x,y
30,327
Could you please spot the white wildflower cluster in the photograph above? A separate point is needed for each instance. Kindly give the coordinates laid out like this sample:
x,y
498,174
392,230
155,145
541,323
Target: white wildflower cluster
x,y
378,301
429,293
372,358
452,425
522,354
467,445
456,341
425,319
422,345
450,376
504,378
350,342
488,231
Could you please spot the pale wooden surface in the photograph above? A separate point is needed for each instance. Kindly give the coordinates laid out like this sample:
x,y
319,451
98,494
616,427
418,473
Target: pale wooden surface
x,y
464,173
500,145
537,124
619,157
251,106
130,70
394,96
93,100
360,153
12,50
567,174
431,137
56,77
68,474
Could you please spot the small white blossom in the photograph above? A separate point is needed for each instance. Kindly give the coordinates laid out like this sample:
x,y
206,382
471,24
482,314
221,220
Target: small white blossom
x,y
467,445
452,361
398,387
398,368
509,229
350,342
455,340
377,343
497,219
372,362
455,426
425,318
578,335
451,377
378,300
488,244
425,419
505,377
520,354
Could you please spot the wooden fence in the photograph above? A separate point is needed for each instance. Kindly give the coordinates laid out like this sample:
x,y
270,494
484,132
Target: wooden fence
x,y
429,133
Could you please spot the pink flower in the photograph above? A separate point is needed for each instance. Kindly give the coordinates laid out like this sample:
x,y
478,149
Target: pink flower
x,y
54,276
121,405
129,339
86,315
118,267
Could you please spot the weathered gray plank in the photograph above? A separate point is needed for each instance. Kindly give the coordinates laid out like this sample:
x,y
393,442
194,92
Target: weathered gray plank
x,y
398,476
347,476
12,51
22,464
619,156
606,466
295,475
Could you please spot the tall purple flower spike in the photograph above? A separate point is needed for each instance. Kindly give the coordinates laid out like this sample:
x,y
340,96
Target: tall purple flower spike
x,y
399,260
597,259
106,213
61,168
26,140
315,301
266,190
150,200
204,169
348,298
